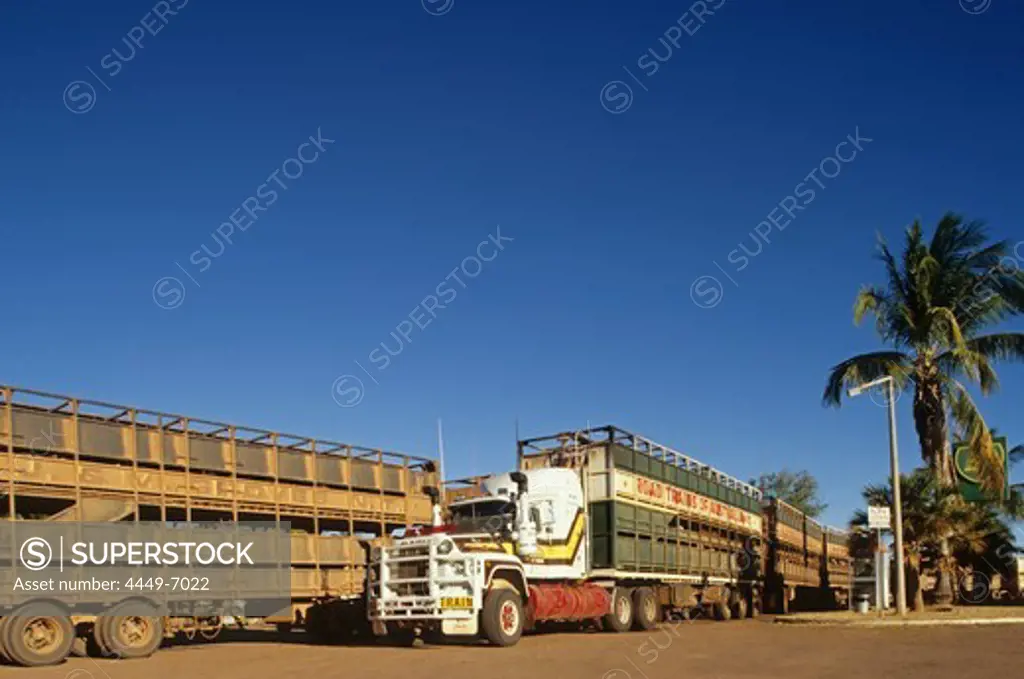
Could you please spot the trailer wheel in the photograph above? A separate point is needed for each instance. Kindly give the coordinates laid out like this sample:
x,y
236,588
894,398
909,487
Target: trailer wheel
x,y
39,635
131,631
645,609
502,617
621,616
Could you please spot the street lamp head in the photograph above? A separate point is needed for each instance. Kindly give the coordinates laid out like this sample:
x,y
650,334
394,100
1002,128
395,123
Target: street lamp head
x,y
861,388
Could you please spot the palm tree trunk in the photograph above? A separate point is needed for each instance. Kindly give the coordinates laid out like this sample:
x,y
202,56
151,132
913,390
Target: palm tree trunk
x,y
933,434
932,427
914,566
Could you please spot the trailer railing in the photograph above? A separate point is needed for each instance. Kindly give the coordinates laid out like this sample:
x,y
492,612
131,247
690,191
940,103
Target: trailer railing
x,y
572,443
150,457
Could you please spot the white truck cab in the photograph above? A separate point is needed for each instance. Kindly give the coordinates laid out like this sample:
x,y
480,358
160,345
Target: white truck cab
x,y
475,570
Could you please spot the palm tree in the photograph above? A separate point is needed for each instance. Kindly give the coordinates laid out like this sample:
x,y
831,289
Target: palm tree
x,y
934,514
938,298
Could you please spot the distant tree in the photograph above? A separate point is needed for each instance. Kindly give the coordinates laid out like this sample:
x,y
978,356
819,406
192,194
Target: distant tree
x,y
799,489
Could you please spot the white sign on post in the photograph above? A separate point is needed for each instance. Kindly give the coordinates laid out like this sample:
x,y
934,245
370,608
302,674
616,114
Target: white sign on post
x,y
879,518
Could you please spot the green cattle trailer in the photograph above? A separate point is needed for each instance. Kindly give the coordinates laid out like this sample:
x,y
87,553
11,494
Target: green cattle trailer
x,y
625,537
661,519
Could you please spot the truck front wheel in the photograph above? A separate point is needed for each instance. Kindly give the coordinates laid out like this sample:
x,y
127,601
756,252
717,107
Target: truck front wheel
x,y
502,617
621,616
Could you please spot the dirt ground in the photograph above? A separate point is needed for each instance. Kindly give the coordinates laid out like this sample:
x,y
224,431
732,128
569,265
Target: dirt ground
x,y
699,649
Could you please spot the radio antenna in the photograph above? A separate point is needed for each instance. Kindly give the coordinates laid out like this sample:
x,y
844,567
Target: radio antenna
x,y
440,455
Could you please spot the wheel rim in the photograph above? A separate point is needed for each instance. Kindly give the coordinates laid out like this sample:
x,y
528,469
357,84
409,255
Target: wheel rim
x,y
42,636
622,611
509,617
135,631
649,608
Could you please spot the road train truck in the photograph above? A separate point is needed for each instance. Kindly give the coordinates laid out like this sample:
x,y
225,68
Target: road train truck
x,y
600,527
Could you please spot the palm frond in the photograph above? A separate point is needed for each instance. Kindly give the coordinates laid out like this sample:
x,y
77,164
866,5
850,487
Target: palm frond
x,y
971,364
897,283
869,300
954,238
971,429
1006,346
864,368
947,327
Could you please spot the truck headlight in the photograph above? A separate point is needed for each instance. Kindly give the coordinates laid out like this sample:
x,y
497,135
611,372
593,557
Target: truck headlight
x,y
445,547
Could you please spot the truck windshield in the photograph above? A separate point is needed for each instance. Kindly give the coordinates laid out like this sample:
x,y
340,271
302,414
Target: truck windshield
x,y
491,516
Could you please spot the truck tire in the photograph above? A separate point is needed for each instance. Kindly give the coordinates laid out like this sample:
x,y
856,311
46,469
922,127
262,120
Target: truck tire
x,y
722,610
620,617
645,609
132,631
502,617
38,636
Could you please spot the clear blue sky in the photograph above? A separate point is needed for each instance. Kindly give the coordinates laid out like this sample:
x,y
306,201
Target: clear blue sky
x,y
445,127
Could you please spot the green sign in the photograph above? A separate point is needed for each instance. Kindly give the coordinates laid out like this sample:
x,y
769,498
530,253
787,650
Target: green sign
x,y
967,470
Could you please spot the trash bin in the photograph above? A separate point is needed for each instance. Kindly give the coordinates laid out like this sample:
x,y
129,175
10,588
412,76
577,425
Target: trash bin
x,y
863,603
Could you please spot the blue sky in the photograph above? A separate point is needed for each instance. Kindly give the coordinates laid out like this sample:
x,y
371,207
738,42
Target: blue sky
x,y
448,120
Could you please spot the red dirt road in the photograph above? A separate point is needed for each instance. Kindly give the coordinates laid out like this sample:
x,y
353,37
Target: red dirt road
x,y
701,649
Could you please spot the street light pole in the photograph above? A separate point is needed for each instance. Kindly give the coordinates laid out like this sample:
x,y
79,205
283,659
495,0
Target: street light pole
x,y
894,464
